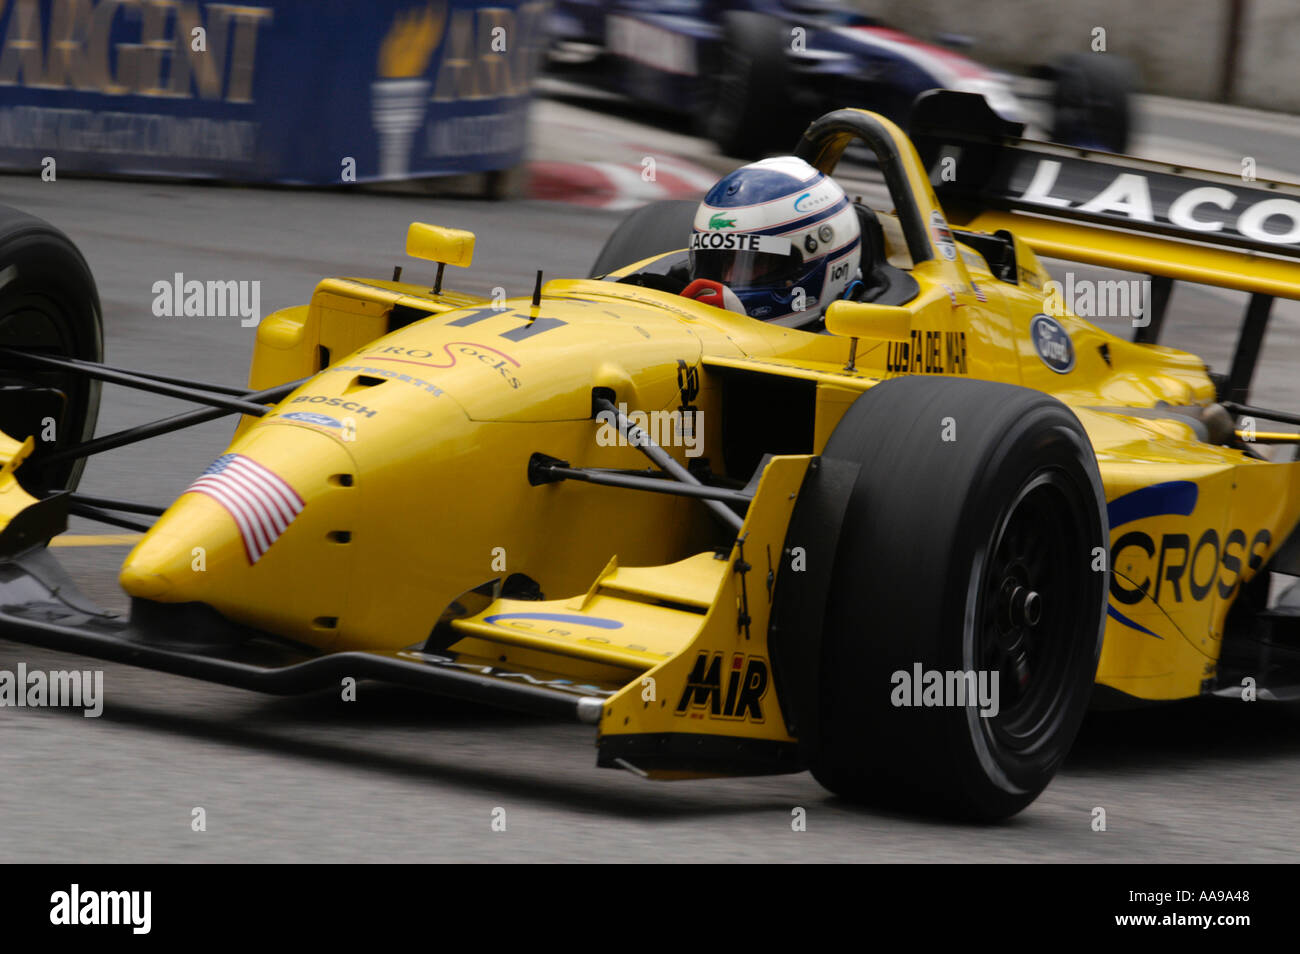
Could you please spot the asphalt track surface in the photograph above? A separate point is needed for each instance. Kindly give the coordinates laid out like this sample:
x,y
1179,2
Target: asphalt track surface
x,y
399,776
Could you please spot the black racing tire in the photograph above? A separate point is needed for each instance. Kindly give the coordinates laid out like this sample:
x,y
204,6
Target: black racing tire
x,y
653,229
749,107
48,304
1092,103
936,537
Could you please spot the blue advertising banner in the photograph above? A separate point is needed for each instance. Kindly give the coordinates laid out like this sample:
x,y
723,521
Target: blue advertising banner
x,y
292,91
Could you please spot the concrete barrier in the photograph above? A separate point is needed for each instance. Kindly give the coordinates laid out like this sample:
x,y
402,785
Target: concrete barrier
x,y
1268,66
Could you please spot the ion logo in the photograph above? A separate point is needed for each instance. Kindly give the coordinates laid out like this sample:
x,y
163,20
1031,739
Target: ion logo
x,y
1052,343
746,684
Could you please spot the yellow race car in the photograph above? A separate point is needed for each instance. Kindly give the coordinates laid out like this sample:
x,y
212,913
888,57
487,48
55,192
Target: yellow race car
x,y
904,550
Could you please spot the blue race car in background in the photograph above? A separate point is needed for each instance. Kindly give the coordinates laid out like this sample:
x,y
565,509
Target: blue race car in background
x,y
753,73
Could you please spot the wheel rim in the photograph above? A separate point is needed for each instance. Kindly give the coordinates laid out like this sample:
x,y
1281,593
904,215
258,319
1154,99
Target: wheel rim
x,y
1031,614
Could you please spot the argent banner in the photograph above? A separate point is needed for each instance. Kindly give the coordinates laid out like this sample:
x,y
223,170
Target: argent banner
x,y
285,91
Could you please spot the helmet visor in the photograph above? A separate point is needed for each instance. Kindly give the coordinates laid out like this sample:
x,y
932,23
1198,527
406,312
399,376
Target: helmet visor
x,y
744,261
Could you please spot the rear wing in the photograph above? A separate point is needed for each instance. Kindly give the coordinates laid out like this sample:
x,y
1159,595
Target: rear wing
x,y
1172,223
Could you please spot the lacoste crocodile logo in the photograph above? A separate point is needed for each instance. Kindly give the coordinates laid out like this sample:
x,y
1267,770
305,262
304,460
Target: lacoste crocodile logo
x,y
718,222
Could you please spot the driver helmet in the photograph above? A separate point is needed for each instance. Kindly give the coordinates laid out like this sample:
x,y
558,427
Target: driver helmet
x,y
779,234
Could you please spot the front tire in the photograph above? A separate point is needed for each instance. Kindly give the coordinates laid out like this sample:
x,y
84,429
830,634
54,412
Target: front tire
x,y
968,546
48,304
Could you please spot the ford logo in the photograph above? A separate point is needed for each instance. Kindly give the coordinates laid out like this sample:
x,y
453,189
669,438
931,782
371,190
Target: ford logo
x,y
318,419
1052,343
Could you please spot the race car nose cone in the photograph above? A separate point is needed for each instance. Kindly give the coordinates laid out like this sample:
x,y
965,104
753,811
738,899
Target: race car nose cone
x,y
261,536
196,538
143,583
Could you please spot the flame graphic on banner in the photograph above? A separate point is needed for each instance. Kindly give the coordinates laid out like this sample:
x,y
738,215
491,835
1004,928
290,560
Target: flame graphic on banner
x,y
406,50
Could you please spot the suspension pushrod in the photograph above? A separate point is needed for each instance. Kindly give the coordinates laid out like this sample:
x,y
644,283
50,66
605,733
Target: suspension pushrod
x,y
165,379
103,516
127,379
1282,417
112,503
166,425
614,478
642,442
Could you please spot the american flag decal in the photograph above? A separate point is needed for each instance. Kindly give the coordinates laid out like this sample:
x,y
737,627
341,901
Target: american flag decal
x,y
261,503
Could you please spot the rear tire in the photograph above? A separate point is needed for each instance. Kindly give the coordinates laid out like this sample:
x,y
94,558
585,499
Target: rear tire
x,y
653,229
937,537
48,304
750,107
1092,104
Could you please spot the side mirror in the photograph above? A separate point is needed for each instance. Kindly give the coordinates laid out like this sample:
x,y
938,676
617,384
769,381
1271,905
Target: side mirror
x,y
442,245
864,319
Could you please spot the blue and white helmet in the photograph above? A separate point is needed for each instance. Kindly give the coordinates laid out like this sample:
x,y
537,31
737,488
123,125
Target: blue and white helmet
x,y
779,234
